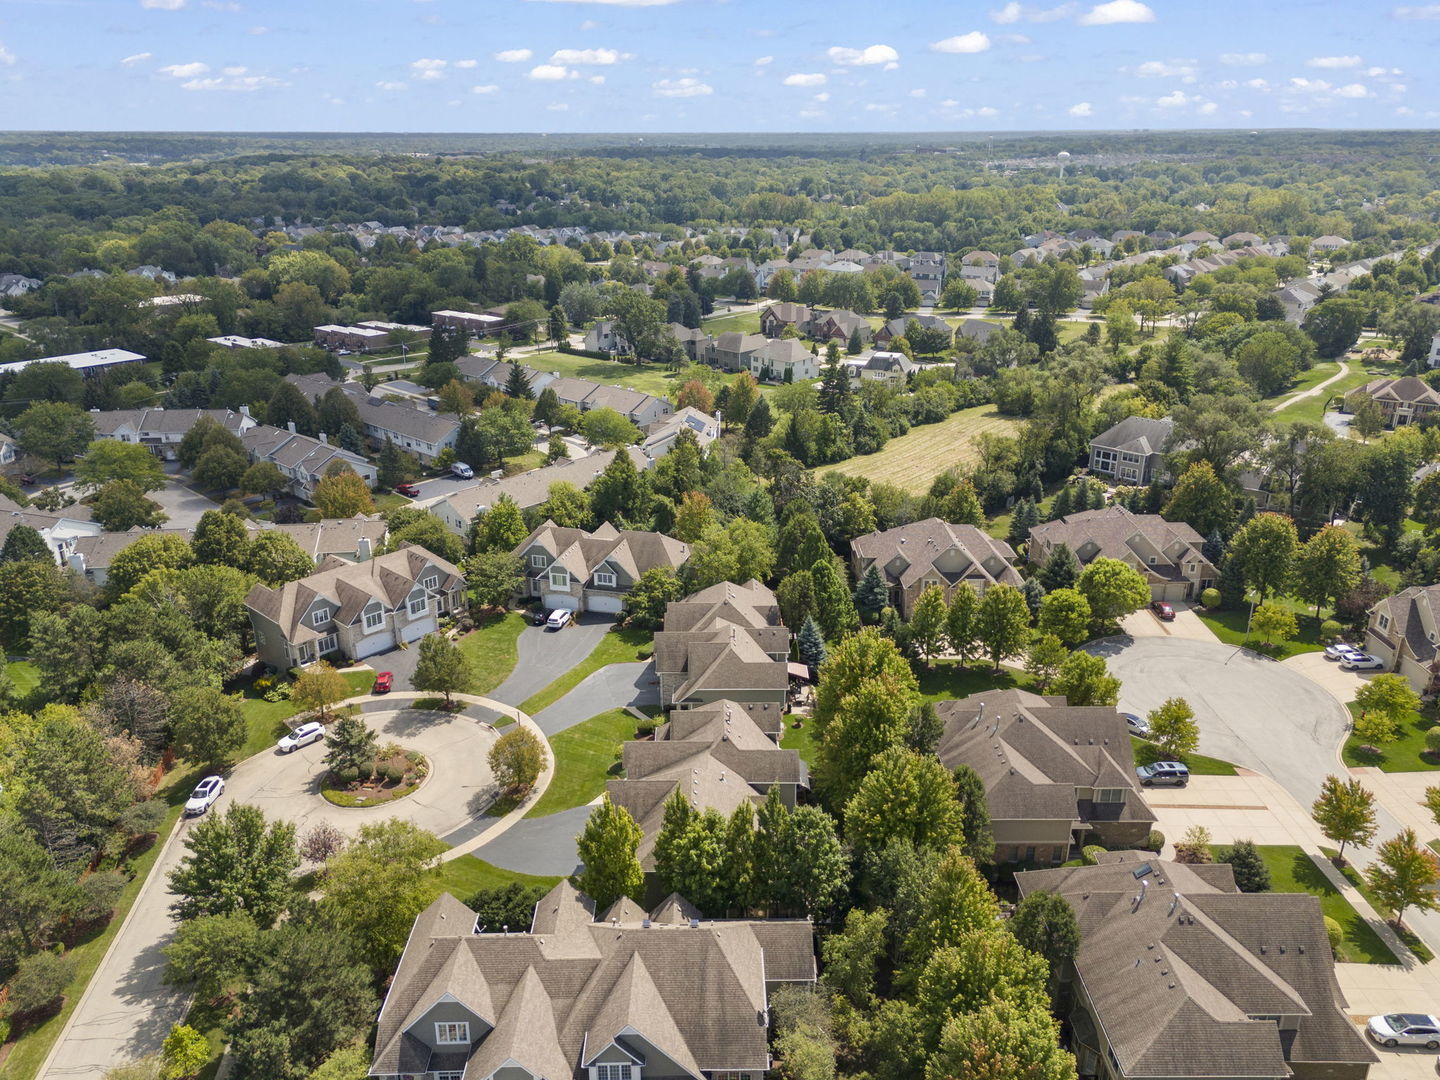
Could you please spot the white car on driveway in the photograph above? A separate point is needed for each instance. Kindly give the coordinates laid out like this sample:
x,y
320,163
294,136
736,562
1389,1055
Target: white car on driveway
x,y
559,619
1342,650
204,795
1362,662
1405,1029
304,735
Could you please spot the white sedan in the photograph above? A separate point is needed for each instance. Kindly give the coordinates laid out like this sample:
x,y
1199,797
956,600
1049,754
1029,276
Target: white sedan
x,y
1362,662
304,735
204,795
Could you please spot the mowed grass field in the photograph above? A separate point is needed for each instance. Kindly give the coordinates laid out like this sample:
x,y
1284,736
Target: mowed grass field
x,y
647,378
916,458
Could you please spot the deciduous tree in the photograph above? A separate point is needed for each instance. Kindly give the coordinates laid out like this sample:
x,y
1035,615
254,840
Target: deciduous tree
x,y
208,725
1385,702
318,687
1404,875
442,667
343,496
236,862
1084,679
1345,812
1002,623
1113,589
1173,728
1327,568
607,849
517,759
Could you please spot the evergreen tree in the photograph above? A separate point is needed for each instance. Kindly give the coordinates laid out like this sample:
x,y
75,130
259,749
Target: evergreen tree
x,y
518,384
393,468
1034,595
1021,322
1251,873
978,841
1060,571
871,595
1063,504
23,543
811,644
1024,516
547,408
855,346
834,605
559,328
834,386
1214,548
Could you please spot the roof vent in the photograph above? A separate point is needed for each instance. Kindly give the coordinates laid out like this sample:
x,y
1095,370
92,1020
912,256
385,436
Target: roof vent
x,y
694,924
1262,950
645,923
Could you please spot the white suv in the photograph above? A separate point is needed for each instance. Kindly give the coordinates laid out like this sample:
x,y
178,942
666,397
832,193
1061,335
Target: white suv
x,y
304,735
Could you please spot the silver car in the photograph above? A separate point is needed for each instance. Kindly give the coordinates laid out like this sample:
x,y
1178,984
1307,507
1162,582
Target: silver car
x,y
1405,1029
1362,662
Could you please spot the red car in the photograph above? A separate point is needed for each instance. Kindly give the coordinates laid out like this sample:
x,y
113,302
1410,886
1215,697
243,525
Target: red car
x,y
1163,611
410,491
382,682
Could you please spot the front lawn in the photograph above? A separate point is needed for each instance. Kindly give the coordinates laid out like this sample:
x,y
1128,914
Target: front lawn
x,y
1406,754
1357,879
747,322
265,720
467,875
1228,624
492,651
647,378
586,755
1147,752
946,680
804,738
616,647
1294,871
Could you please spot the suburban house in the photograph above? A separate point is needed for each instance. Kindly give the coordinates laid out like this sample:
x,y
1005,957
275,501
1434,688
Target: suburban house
x,y
933,552
980,266
162,429
592,571
61,530
891,368
1056,776
775,318
354,610
1328,242
660,436
1404,630
639,408
1167,554
716,755
1404,400
977,330
301,459
1199,979
784,360
733,350
1432,360
691,340
839,325
495,374
1132,451
602,336
529,489
723,643
895,328
90,364
614,995
1297,298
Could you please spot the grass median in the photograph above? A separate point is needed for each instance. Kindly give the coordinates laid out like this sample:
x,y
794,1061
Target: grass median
x,y
492,650
586,756
616,647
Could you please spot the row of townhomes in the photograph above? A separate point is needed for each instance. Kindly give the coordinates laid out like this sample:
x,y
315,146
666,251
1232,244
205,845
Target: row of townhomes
x,y
575,570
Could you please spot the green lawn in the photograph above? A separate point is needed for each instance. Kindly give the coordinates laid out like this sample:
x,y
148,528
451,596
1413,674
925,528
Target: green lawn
x,y
648,378
385,501
492,651
25,676
1313,408
945,680
1406,754
616,647
30,1048
1198,764
586,755
467,875
802,738
1307,380
1229,626
1357,879
914,459
1293,871
265,720
748,322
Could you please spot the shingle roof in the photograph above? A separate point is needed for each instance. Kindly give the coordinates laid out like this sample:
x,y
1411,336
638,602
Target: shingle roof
x,y
533,488
1411,613
1116,533
1407,390
906,554
722,639
583,553
163,421
1136,435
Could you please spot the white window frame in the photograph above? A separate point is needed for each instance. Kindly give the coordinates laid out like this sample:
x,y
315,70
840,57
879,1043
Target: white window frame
x,y
430,582
320,618
417,605
449,1076
374,620
604,579
564,575
328,643
617,1071
452,1032
1384,622
538,559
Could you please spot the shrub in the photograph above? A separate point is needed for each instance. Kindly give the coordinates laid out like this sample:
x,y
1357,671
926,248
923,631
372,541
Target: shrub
x,y
1335,932
1154,842
394,773
1091,853
4,1032
141,818
1330,630
39,981
1210,598
1432,741
99,893
347,775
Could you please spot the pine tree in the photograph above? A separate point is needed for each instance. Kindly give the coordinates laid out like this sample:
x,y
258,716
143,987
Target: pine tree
x,y
871,595
1021,323
559,328
1034,595
811,644
833,603
1060,570
1023,517
1214,548
835,385
1251,873
518,384
1063,504
854,346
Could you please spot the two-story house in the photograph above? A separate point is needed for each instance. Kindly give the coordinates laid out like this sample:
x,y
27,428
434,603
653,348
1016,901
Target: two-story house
x,y
839,325
784,360
775,318
891,368
639,408
1056,776
301,459
1132,451
895,328
628,995
1404,631
354,610
733,350
726,642
1167,554
592,571
913,557
602,336
161,430
1404,400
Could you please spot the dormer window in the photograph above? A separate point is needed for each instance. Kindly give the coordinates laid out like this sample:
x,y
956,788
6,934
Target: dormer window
x,y
320,618
560,577
430,582
1384,622
614,1072
419,603
604,579
1151,560
537,559
452,1033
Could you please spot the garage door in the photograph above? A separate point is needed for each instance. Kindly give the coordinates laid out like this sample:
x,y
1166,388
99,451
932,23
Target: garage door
x,y
563,601
418,630
369,646
612,605
1172,591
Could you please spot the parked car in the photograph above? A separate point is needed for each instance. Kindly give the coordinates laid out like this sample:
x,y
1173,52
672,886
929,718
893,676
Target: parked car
x,y
463,471
1163,611
558,620
1405,1029
304,735
1362,662
204,795
1137,725
410,491
1163,772
1341,650
383,681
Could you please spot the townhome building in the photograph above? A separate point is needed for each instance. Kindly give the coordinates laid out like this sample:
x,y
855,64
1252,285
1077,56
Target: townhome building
x,y
473,324
354,610
161,430
1405,400
1132,451
1404,631
913,557
639,408
301,459
1167,554
351,338
725,642
575,570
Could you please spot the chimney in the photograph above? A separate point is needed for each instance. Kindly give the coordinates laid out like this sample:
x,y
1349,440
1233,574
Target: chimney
x,y
290,426
323,439
245,411
362,549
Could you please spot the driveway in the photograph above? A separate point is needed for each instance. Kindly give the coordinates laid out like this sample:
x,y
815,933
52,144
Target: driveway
x,y
1251,711
399,662
543,845
183,506
542,656
1186,624
1329,675
612,687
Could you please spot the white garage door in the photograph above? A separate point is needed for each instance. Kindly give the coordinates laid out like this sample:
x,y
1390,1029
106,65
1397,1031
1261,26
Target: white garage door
x,y
562,601
369,646
419,629
613,605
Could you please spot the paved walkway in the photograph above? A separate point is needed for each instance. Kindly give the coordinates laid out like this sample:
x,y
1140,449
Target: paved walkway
x,y
1186,624
1314,391
126,1010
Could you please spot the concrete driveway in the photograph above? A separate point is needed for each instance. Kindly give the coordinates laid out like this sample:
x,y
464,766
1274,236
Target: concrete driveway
x,y
612,687
1329,675
1186,624
542,656
1251,711
183,506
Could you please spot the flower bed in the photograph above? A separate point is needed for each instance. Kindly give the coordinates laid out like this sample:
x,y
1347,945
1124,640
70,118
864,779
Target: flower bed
x,y
396,773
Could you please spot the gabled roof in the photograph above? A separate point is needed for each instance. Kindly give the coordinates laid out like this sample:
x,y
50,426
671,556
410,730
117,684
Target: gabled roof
x,y
1412,614
1407,390
1116,533
907,553
1136,435
583,553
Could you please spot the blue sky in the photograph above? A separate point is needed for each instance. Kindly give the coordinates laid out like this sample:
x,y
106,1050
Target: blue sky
x,y
713,65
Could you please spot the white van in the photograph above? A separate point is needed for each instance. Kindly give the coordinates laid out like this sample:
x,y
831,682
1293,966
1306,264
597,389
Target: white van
x,y
463,471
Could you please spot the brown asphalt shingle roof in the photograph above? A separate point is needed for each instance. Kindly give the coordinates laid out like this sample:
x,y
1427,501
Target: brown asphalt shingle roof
x,y
1116,533
906,554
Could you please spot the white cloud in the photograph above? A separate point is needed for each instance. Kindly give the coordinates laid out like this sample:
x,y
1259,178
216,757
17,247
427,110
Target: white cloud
x,y
1173,100
1010,13
258,30
986,110
1014,12
613,3
234,70
1167,69
597,80
973,42
185,71
1317,85
1117,11
871,54
762,61
428,69
823,96
1423,12
588,56
589,24
1377,72
681,88
559,106
390,85
1333,62
1243,59
1352,90
949,103
803,79
1208,109
513,56
7,58
488,88
1258,84
162,5
467,63
879,108
236,83
552,72
917,93
1013,39
137,58
1081,108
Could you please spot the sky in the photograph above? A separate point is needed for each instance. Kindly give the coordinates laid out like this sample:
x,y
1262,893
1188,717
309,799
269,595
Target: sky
x,y
715,65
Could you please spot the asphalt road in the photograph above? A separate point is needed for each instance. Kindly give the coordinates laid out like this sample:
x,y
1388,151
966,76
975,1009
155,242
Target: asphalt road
x,y
543,845
612,687
542,656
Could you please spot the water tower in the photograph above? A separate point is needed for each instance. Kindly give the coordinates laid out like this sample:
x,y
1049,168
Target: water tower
x,y
1062,157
